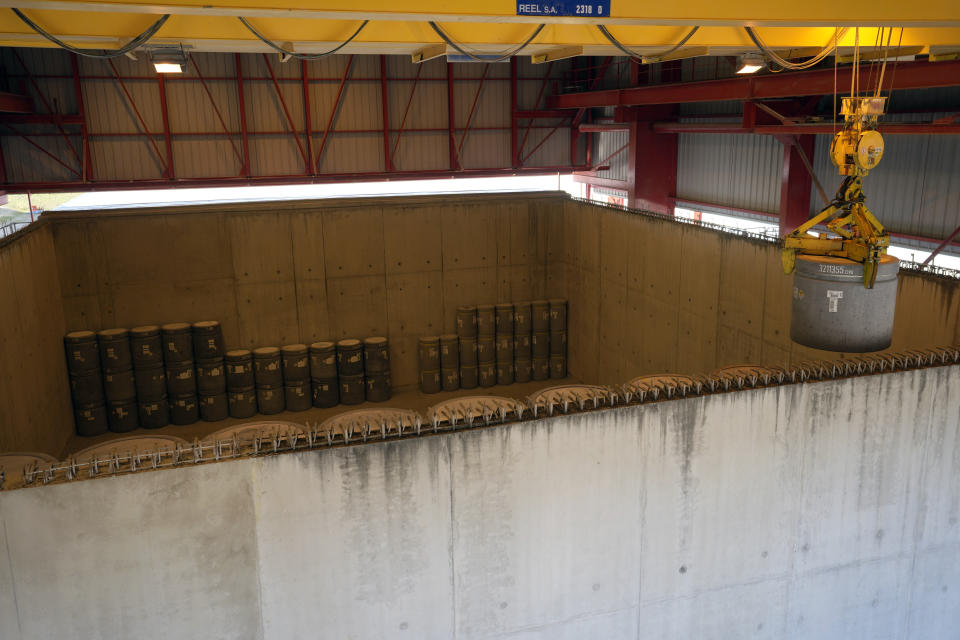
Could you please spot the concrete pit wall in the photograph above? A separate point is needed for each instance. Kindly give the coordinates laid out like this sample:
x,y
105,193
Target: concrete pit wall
x,y
649,295
814,511
280,273
35,410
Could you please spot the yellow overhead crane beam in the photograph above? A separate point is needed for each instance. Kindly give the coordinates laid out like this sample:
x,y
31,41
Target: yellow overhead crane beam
x,y
212,25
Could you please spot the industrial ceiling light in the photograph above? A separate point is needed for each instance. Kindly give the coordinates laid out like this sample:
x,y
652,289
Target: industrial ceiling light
x,y
168,59
750,63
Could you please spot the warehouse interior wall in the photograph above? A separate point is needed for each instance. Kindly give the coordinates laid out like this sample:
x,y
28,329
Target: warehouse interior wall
x,y
647,295
35,410
817,510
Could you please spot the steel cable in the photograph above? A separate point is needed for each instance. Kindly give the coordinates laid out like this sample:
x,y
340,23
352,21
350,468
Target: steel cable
x,y
301,56
632,54
139,41
480,57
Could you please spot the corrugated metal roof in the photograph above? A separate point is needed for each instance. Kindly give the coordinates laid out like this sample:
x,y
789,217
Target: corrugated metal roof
x,y
914,190
202,149
736,170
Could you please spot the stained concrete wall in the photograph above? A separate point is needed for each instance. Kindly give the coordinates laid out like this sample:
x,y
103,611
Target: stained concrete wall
x,y
279,273
651,296
35,412
814,511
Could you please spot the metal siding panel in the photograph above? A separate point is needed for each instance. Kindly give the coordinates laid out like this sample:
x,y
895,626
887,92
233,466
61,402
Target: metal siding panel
x,y
125,158
351,153
422,152
486,150
275,155
554,152
914,190
202,157
733,170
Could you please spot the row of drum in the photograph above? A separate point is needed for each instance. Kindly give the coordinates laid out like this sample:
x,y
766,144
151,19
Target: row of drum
x,y
509,318
490,374
237,402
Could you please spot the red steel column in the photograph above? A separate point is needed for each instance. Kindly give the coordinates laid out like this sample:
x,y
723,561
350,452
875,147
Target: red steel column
x,y
795,184
451,125
652,166
514,141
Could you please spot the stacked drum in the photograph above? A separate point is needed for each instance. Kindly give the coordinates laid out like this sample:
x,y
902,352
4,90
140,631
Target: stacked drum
x,y
268,374
558,338
522,335
429,355
86,385
211,372
241,392
504,348
323,374
449,362
350,371
376,368
540,340
296,377
486,345
181,381
118,383
467,332
146,349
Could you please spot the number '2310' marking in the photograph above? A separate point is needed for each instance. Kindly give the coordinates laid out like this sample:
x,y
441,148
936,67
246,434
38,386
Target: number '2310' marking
x,y
587,9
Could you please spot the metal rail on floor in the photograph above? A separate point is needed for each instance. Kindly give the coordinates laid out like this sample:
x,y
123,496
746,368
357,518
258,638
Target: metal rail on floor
x,y
396,424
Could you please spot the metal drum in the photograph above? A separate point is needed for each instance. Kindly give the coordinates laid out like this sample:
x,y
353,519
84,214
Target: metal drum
x,y
349,357
154,413
449,351
486,350
504,319
119,386
266,367
540,310
214,407
505,372
468,377
326,393
486,320
505,350
122,415
450,379
558,343
540,345
151,383
429,353
86,388
376,355
468,352
296,363
833,311
181,379
297,395
146,346
487,374
211,378
270,399
83,353
207,340
522,349
430,381
177,342
114,349
522,318
239,367
558,315
541,369
323,361
523,370
242,402
91,420
558,366
184,409
467,321
378,387
352,389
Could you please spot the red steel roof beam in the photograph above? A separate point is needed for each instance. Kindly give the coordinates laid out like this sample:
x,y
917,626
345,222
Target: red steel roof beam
x,y
910,75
